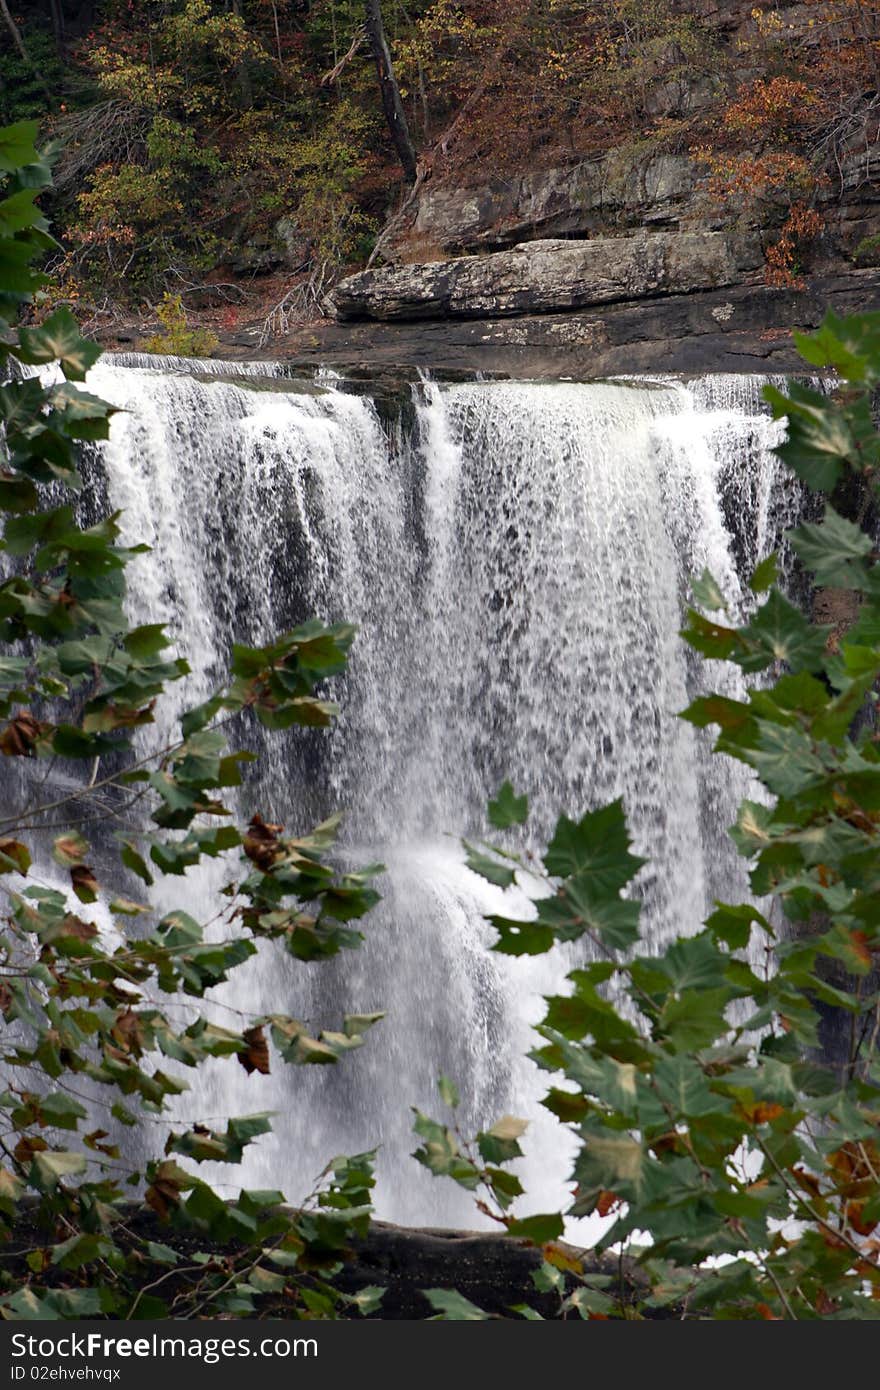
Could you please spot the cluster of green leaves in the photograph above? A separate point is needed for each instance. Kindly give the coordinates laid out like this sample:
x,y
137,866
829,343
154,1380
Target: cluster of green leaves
x,y
210,125
28,83
86,1030
708,1114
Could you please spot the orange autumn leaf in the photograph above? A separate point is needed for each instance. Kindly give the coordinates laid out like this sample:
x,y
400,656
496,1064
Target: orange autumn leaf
x,y
864,1226
761,1112
766,1312
860,946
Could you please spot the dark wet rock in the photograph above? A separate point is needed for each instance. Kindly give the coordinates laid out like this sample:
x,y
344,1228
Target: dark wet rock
x,y
743,328
493,1271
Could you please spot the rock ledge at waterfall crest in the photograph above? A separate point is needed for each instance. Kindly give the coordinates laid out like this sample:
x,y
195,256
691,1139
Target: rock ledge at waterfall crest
x,y
550,276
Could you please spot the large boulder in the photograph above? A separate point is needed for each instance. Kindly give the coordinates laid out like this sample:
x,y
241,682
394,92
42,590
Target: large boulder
x,y
542,277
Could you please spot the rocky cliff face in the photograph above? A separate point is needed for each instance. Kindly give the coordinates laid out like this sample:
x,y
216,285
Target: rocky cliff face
x,y
583,199
617,262
620,192
523,264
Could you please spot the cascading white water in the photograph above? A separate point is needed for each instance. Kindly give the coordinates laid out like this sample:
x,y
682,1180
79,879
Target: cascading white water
x,y
515,556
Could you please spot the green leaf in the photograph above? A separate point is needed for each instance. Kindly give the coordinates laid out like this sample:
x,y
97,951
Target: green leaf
x,y
834,549
134,861
368,1300
355,1025
538,1229
58,339
26,1305
440,1153
76,1303
733,925
695,1018
521,938
51,1166
17,212
61,1110
850,346
583,903
692,962
752,831
547,1278
490,869
780,632
448,1092
708,637
162,1254
16,275
81,1249
681,1085
764,575
586,1301
500,1143
821,438
610,1162
596,848
454,1307
508,809
18,145
785,759
707,593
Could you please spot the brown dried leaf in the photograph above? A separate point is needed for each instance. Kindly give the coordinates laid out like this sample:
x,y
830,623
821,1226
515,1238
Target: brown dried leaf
x,y
75,926
256,1058
27,1146
261,843
128,1032
18,853
21,733
84,883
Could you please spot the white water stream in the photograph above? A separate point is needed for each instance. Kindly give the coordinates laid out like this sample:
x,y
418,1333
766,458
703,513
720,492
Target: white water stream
x,y
515,556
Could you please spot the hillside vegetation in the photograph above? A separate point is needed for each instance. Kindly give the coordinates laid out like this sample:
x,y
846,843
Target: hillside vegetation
x,y
242,145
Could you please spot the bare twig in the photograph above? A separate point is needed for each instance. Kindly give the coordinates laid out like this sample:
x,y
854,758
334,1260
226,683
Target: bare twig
x,y
336,72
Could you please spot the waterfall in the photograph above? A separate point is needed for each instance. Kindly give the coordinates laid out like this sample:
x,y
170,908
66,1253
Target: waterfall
x,y
515,556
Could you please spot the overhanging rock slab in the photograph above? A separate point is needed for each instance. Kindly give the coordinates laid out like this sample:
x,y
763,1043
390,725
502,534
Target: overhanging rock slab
x,y
542,277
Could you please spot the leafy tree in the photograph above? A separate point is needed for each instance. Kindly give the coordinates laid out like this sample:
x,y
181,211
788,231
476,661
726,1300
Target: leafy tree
x,y
175,338
708,1114
88,1036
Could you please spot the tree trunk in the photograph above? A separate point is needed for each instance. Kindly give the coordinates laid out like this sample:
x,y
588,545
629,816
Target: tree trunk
x,y
391,100
15,35
58,28
242,71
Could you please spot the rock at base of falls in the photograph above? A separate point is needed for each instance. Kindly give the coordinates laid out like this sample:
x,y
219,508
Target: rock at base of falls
x,y
492,1270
